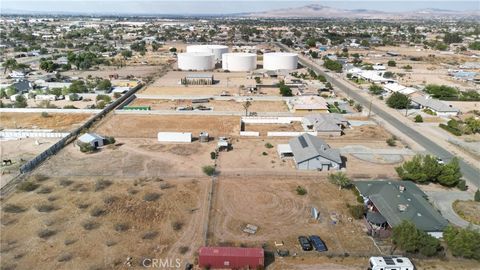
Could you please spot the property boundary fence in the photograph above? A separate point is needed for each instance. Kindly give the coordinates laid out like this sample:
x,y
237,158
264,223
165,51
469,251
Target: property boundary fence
x,y
33,163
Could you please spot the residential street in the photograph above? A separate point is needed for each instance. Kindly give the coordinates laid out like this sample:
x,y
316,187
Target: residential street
x,y
443,200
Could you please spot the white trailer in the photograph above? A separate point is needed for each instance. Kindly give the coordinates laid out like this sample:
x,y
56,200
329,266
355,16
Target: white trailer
x,y
390,263
175,137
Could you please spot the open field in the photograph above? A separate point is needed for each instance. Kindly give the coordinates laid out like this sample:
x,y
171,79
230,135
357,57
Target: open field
x,y
147,126
93,223
139,71
55,121
132,158
218,105
272,204
20,151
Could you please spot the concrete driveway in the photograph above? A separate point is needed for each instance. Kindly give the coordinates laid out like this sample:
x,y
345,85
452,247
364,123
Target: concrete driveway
x,y
443,200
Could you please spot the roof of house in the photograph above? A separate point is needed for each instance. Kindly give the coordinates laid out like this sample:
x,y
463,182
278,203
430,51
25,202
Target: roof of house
x,y
306,147
434,104
22,85
396,205
231,252
89,137
325,122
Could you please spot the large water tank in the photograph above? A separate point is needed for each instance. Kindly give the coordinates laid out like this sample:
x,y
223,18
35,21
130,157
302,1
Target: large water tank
x,y
217,50
280,60
239,61
196,61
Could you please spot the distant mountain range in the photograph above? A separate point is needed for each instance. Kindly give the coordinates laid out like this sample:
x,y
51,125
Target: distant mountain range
x,y
320,11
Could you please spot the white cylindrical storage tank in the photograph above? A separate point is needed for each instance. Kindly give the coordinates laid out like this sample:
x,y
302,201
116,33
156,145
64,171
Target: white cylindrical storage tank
x,y
196,61
217,50
280,60
239,61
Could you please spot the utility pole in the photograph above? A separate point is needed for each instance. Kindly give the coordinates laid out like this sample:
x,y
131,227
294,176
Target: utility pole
x,y
370,108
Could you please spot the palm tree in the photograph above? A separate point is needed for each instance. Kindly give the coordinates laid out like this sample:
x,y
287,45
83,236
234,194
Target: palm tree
x,y
246,105
9,64
340,179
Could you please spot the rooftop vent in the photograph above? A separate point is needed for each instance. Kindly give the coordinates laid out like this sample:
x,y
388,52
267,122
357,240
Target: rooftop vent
x,y
402,207
401,188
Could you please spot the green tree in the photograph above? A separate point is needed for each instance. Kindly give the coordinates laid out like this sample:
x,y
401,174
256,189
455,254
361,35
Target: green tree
x,y
340,179
463,242
392,63
418,118
477,196
285,91
104,85
311,42
9,64
450,174
11,91
332,65
452,38
413,170
474,45
48,66
20,101
398,101
472,124
77,86
3,93
442,91
407,237
247,105
375,89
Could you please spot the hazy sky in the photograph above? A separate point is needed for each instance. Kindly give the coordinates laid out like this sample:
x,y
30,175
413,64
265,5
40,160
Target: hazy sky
x,y
185,7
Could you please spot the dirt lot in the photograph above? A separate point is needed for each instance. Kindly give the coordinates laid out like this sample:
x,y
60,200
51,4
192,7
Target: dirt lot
x,y
468,210
95,228
55,121
218,105
148,126
20,151
265,128
271,203
133,158
139,71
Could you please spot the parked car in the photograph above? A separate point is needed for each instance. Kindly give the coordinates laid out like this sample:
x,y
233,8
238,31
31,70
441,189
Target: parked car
x,y
283,252
318,243
305,243
440,161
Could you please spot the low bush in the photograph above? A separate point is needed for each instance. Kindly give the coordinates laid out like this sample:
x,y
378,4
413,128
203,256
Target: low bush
x,y
90,225
268,145
183,249
39,177
65,257
213,155
83,205
68,242
150,197
149,235
65,182
13,208
208,170
97,211
391,142
45,208
177,225
301,190
45,190
121,227
27,186
46,233
102,184
110,199
418,118
462,185
454,131
356,211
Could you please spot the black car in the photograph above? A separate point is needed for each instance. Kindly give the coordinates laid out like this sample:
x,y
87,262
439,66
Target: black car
x,y
318,243
305,243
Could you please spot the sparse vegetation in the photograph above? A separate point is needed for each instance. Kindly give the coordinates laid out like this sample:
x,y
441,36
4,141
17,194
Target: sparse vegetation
x,y
13,208
46,233
46,208
121,227
208,170
150,235
27,186
150,197
90,225
102,184
301,190
340,179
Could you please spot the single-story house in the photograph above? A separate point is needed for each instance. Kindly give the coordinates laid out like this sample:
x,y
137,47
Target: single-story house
x,y
93,139
398,88
312,153
437,106
391,202
308,104
330,124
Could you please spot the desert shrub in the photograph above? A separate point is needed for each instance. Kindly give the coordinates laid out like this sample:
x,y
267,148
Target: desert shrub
x,y
301,190
177,225
477,196
90,225
45,190
52,198
149,235
391,142
165,186
13,208
418,118
110,243
64,257
356,211
357,195
102,184
97,211
340,179
132,191
68,242
109,140
45,208
65,182
150,197
183,249
268,145
46,233
39,177
86,148
110,199
462,185
264,154
452,130
121,227
27,186
213,155
83,205
208,170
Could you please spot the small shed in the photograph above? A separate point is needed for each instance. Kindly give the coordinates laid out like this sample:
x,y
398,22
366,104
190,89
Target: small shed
x,y
204,137
93,139
231,258
175,137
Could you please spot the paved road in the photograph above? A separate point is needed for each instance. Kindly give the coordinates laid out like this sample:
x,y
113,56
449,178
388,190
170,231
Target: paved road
x,y
443,201
469,172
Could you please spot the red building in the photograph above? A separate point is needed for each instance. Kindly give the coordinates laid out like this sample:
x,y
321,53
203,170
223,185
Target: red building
x,y
230,257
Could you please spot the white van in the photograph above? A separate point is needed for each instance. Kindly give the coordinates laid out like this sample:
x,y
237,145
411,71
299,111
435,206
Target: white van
x,y
390,263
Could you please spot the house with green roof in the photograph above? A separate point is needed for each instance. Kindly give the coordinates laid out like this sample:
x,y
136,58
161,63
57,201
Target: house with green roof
x,y
391,202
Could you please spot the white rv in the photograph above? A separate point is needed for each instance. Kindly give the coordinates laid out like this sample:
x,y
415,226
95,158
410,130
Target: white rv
x,y
390,263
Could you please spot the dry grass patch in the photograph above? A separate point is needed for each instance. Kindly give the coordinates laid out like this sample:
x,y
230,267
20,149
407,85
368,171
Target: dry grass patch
x,y
468,210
